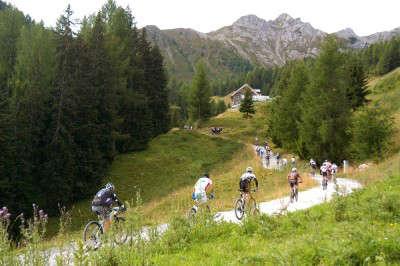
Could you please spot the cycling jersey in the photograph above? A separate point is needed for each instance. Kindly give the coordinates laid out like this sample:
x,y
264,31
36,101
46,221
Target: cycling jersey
x,y
293,177
105,198
202,184
245,181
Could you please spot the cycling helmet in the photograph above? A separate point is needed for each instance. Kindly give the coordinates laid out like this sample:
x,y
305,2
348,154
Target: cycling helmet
x,y
207,175
249,169
110,186
294,169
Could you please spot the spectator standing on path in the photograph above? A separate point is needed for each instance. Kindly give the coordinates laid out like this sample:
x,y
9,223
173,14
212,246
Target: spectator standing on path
x,y
278,158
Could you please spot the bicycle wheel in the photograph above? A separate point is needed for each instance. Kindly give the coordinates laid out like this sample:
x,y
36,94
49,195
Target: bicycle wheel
x,y
239,209
120,233
92,233
253,208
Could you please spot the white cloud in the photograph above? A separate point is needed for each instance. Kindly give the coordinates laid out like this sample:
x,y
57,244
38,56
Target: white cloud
x,y
365,17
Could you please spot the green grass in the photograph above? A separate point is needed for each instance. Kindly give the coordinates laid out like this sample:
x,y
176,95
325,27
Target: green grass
x,y
363,228
171,162
239,128
386,91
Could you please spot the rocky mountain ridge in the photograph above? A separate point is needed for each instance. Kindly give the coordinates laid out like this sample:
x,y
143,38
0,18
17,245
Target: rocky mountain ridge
x,y
247,42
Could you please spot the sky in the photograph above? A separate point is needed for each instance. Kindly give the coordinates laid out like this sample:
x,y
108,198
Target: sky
x,y
364,17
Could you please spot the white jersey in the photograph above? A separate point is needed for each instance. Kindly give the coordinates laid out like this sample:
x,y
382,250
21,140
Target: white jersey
x,y
202,184
324,169
248,176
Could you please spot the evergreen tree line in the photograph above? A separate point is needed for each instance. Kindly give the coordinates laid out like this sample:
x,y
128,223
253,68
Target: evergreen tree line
x,y
321,109
69,102
382,57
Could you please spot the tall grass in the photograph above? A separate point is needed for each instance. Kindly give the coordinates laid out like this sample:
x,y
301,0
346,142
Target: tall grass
x,y
347,231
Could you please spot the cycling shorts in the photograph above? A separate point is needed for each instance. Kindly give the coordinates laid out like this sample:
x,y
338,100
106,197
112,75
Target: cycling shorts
x,y
245,185
200,197
102,211
293,183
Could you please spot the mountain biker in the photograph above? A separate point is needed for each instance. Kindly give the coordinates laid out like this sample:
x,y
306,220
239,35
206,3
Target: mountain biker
x,y
102,204
294,178
245,180
293,162
334,169
324,172
313,166
203,186
267,157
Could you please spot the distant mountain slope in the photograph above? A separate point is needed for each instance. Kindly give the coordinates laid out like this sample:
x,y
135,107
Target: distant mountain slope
x,y
248,41
356,41
182,48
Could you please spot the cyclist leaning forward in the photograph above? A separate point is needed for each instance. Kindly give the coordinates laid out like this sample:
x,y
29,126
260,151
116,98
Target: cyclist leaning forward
x,y
103,202
294,178
245,180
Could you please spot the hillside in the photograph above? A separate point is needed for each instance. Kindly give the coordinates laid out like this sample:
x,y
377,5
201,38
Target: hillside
x,y
248,42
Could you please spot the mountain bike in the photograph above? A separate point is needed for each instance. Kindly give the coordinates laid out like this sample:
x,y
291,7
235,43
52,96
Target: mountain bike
x,y
294,192
240,205
94,230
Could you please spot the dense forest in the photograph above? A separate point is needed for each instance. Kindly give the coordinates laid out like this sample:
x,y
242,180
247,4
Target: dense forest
x,y
70,101
321,110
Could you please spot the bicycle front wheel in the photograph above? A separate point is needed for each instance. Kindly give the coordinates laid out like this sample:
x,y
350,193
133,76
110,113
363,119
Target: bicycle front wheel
x,y
119,231
239,209
92,234
253,208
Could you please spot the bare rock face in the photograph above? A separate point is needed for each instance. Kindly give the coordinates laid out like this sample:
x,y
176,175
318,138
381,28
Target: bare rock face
x,y
271,42
248,41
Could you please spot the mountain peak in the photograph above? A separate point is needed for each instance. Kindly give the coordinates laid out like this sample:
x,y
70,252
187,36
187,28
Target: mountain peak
x,y
250,21
346,33
284,17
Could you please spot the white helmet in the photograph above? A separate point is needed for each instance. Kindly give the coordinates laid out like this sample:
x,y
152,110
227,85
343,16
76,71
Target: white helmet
x,y
110,186
249,169
294,169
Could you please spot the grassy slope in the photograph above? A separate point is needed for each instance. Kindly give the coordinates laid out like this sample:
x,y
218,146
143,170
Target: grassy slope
x,y
362,228
226,175
172,161
385,91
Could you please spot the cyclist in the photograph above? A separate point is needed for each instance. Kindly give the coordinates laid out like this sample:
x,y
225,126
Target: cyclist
x,y
313,166
245,180
267,157
294,178
203,186
278,159
102,204
334,169
293,162
324,170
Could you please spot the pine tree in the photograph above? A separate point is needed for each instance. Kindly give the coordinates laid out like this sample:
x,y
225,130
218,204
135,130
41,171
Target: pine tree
x,y
247,105
200,106
285,109
357,90
325,109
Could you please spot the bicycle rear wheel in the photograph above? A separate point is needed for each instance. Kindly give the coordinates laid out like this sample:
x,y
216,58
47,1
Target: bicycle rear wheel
x,y
92,234
239,208
119,231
